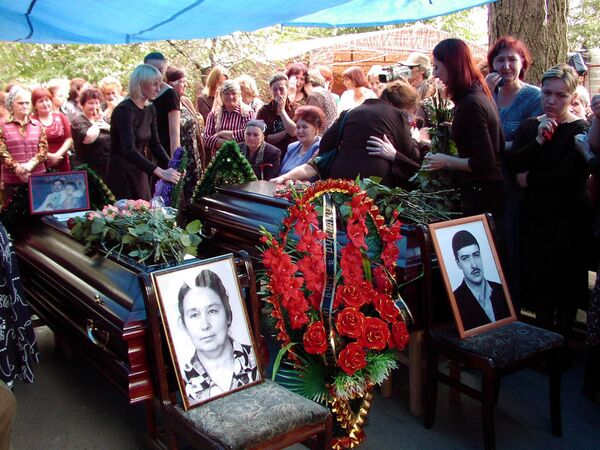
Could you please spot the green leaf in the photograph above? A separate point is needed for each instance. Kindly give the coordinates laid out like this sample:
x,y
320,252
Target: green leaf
x,y
306,377
191,250
142,228
128,239
97,226
193,227
278,358
185,240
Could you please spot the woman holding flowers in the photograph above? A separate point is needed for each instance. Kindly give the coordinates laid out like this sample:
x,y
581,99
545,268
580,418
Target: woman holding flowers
x,y
133,126
475,129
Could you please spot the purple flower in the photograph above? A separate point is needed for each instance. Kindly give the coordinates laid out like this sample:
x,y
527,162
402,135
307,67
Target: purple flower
x,y
163,188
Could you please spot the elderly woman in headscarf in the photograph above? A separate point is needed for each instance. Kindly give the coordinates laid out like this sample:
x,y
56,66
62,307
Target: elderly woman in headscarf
x,y
227,120
23,144
264,157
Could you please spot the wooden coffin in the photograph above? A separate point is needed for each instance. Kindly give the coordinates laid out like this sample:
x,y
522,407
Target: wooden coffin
x,y
94,303
232,216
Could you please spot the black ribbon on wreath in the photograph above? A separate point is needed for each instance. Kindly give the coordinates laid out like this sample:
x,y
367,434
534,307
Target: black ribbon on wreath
x,y
330,255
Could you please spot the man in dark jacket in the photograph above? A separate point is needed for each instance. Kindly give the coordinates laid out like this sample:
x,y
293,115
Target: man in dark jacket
x,y
479,301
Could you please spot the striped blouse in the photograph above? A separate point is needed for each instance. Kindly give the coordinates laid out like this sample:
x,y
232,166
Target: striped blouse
x,y
231,121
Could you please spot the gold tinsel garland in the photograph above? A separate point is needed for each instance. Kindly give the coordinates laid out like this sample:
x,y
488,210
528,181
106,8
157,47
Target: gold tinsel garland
x,y
350,421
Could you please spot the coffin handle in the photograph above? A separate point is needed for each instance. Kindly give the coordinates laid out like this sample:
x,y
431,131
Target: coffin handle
x,y
96,335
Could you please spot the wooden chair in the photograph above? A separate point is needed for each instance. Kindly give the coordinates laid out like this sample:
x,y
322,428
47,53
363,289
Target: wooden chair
x,y
262,416
494,353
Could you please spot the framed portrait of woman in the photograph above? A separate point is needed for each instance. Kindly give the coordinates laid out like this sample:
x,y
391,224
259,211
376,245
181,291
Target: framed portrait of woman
x,y
207,327
472,274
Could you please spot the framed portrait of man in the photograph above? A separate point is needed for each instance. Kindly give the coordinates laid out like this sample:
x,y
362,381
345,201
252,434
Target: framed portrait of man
x,y
58,192
472,274
208,332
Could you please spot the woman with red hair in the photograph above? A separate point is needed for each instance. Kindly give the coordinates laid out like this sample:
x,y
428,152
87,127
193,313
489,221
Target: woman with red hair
x,y
508,61
309,120
475,129
296,73
57,127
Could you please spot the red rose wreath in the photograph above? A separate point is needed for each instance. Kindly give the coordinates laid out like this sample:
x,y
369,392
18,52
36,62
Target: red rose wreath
x,y
329,279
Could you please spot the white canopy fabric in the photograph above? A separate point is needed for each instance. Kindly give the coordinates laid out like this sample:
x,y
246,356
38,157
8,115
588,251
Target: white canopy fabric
x,y
132,21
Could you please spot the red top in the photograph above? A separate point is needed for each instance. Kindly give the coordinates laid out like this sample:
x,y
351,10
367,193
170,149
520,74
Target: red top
x,y
57,133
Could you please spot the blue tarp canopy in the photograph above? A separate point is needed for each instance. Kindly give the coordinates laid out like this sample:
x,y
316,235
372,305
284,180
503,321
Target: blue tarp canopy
x,y
130,21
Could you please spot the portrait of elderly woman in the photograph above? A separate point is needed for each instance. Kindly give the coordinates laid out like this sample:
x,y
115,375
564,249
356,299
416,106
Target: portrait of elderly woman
x,y
210,339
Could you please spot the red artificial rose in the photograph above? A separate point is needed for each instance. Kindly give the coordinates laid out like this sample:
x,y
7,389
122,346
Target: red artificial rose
x,y
352,358
375,334
315,339
366,291
387,308
399,336
351,296
349,322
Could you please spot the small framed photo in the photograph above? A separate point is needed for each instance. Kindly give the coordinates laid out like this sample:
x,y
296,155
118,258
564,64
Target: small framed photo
x,y
58,192
472,274
207,328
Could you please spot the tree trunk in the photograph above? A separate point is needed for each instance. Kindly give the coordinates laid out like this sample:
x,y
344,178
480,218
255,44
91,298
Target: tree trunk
x,y
540,24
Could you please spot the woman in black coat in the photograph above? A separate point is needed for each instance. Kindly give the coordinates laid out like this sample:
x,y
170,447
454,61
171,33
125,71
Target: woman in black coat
x,y
556,210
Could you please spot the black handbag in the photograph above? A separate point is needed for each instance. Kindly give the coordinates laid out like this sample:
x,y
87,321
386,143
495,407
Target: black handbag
x,y
324,163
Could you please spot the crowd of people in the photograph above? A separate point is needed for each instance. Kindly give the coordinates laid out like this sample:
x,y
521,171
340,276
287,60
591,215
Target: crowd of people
x,y
523,150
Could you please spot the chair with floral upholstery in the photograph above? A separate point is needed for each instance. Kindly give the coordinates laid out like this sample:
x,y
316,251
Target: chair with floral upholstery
x,y
494,353
261,416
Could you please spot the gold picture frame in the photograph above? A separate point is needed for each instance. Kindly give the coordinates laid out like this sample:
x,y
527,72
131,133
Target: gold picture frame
x,y
208,331
472,274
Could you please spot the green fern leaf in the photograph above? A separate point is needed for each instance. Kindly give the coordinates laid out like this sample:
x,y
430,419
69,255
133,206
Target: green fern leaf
x,y
305,377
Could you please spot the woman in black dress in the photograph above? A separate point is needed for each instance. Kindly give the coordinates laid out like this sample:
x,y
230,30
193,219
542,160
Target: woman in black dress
x,y
133,126
556,210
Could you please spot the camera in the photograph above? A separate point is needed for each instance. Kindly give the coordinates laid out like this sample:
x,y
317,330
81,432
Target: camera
x,y
576,62
393,73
